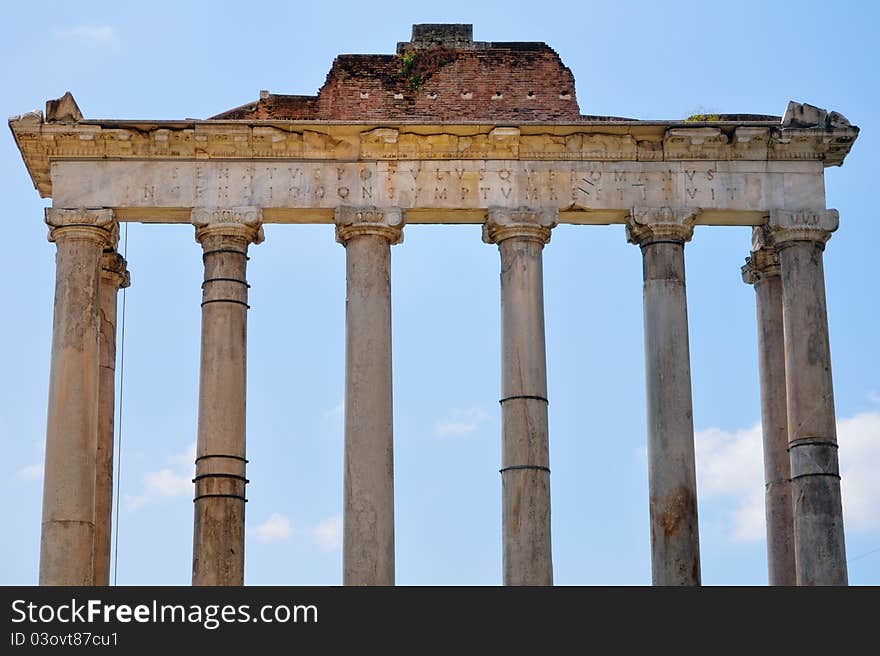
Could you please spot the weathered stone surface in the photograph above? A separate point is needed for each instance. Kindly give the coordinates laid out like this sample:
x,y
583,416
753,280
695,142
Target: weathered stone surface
x,y
368,521
70,471
672,484
358,221
804,115
802,225
525,449
578,190
114,276
522,223
63,110
820,552
219,508
762,271
239,222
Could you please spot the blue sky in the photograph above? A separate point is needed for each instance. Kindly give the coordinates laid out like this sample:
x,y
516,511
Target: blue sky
x,y
641,59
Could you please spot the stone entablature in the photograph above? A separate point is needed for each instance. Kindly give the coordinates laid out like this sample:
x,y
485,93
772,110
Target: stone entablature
x,y
43,143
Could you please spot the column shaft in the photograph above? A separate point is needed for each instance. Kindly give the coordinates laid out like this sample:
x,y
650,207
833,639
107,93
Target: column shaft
x,y
672,484
762,271
525,449
368,513
818,519
68,525
368,542
525,434
218,528
675,548
113,277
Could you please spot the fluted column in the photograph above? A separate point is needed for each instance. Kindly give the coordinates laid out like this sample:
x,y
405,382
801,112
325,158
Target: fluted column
x,y
799,237
218,533
68,529
525,451
368,515
114,276
762,271
675,544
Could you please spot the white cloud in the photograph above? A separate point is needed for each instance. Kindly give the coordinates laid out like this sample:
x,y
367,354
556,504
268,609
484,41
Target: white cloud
x,y
159,484
327,534
32,472
167,482
276,528
184,458
874,396
859,439
461,422
730,466
93,35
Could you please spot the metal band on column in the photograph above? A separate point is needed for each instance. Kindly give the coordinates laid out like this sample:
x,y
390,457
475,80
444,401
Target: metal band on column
x,y
799,238
219,498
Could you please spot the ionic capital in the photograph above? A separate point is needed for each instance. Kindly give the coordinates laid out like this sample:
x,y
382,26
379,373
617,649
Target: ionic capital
x,y
114,268
760,265
355,221
763,262
97,225
241,222
802,225
646,225
523,222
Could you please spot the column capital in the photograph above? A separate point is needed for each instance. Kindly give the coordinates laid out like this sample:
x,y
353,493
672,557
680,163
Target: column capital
x,y
242,222
115,269
802,225
646,225
760,265
763,262
96,224
355,221
524,222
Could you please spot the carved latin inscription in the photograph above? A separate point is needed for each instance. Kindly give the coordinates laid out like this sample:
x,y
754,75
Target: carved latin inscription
x,y
454,184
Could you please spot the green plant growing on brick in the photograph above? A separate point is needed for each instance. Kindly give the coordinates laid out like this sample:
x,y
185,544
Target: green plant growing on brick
x,y
414,68
703,118
406,64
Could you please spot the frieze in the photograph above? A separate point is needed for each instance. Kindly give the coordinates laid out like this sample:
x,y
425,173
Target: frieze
x,y
443,184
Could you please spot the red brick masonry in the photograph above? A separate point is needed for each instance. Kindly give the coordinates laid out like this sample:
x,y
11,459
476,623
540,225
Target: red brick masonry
x,y
516,82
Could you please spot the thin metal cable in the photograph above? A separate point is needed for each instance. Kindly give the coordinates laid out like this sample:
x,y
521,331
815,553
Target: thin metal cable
x,y
118,478
868,553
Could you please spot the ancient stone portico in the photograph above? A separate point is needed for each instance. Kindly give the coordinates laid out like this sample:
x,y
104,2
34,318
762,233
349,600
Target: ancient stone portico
x,y
454,131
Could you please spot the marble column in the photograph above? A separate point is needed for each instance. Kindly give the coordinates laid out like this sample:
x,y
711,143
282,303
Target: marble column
x,y
368,515
820,554
68,529
762,271
525,451
114,276
218,535
675,545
